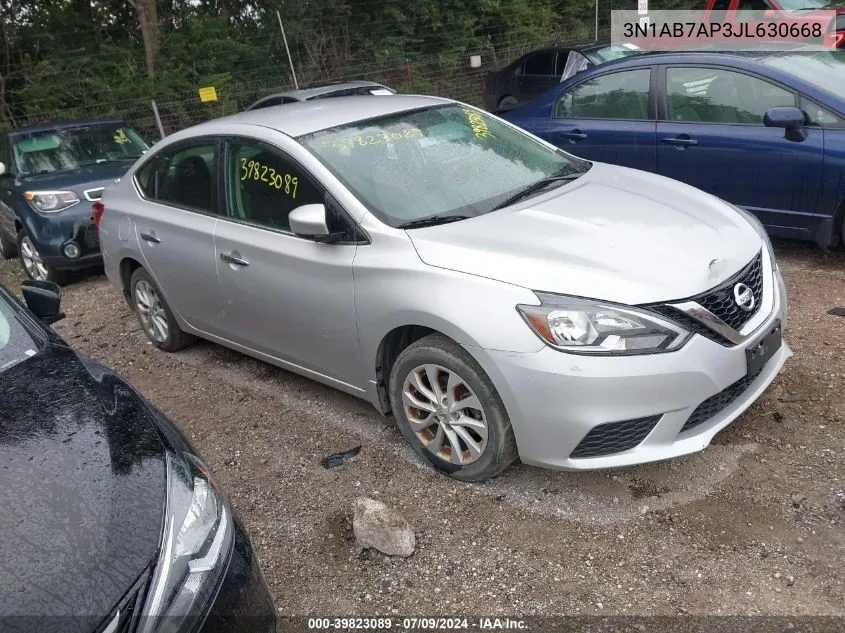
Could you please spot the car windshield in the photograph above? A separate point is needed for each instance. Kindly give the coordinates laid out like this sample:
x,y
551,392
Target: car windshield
x,y
69,148
805,5
616,51
825,69
441,161
16,344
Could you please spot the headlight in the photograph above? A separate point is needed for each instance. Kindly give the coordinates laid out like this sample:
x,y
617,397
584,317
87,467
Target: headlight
x,y
761,231
51,201
583,326
197,539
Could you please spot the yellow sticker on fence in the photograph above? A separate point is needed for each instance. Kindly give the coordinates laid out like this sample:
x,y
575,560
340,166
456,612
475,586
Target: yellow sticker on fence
x,y
209,93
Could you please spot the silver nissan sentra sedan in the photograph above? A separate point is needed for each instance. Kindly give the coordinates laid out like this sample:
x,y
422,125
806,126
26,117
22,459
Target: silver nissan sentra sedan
x,y
501,297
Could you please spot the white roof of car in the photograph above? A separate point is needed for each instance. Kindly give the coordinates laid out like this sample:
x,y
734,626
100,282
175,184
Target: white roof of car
x,y
305,117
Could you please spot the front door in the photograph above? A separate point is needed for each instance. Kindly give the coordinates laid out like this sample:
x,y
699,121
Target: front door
x,y
283,295
714,138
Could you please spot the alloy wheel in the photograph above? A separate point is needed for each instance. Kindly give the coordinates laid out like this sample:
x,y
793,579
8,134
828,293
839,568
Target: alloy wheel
x,y
32,260
445,414
151,311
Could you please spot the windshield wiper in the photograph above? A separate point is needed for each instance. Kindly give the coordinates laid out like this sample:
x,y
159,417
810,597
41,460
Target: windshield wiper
x,y
535,187
433,220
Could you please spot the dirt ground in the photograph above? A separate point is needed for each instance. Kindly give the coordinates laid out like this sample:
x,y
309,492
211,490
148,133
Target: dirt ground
x,y
752,525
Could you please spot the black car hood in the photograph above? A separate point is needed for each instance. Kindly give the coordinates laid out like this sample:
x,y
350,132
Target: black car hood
x,y
82,491
93,175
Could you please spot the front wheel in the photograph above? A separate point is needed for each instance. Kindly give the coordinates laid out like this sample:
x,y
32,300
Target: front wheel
x,y
34,266
448,410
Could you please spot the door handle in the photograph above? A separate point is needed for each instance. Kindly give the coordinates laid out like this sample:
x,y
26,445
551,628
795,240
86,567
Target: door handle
x,y
573,135
229,258
679,141
151,238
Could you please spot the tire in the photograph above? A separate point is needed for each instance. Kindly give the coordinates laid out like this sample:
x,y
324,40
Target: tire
x,y
154,315
32,264
8,248
441,358
508,103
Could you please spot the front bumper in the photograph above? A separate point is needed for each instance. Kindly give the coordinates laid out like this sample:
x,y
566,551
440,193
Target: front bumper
x,y
554,400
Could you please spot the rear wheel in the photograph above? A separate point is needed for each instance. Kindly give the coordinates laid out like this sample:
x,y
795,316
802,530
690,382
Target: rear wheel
x,y
508,103
154,314
449,411
34,266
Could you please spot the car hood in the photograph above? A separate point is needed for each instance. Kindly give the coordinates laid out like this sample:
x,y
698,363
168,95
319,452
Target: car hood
x,y
99,175
83,493
616,234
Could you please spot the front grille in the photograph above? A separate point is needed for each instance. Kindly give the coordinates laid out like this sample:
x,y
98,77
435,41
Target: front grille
x,y
716,404
720,301
614,437
688,323
91,237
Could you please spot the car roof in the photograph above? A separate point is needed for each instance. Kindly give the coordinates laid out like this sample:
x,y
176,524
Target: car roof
x,y
321,89
305,117
61,125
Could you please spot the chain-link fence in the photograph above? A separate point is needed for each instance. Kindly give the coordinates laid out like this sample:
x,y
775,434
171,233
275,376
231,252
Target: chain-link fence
x,y
442,75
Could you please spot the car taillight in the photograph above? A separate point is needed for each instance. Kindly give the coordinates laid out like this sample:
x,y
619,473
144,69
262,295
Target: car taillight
x,y
97,210
840,39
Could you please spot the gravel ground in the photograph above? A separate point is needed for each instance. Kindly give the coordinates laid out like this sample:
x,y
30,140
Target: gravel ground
x,y
751,525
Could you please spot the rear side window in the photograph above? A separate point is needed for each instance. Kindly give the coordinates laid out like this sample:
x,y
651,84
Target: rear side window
x,y
541,63
622,95
715,95
182,177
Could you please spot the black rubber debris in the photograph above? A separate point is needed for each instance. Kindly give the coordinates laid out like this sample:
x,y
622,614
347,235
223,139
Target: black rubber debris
x,y
837,311
336,459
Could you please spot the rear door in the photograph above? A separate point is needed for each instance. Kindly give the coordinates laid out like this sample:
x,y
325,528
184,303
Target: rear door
x,y
712,136
174,227
283,295
608,118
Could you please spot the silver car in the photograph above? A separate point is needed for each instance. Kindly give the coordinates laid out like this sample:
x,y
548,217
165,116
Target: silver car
x,y
501,297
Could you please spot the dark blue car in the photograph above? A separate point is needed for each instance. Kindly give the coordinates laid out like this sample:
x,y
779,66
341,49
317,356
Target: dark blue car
x,y
49,176
764,131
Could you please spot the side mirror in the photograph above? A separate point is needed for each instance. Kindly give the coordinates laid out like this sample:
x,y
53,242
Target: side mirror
x,y
789,118
309,221
44,300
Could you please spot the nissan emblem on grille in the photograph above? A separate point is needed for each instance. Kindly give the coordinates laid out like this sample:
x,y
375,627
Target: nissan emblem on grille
x,y
744,297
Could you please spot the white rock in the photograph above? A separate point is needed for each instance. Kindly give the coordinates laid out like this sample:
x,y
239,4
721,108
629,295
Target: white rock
x,y
379,527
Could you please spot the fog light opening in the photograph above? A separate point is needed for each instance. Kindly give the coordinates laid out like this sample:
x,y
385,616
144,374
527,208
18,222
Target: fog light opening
x,y
71,250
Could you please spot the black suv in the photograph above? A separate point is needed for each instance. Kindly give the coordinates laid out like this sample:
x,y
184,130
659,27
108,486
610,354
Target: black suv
x,y
49,176
535,72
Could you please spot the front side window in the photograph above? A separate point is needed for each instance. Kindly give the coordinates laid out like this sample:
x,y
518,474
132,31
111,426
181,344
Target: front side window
x,y
622,95
443,160
65,149
182,176
715,95
263,185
